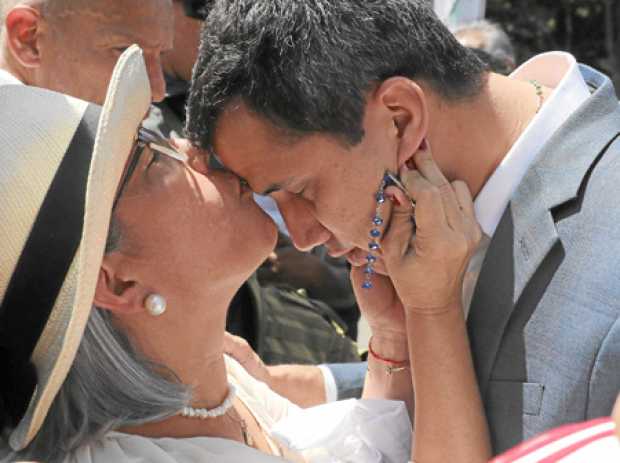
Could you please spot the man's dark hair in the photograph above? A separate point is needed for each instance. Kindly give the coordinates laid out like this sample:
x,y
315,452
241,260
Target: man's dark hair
x,y
197,9
306,65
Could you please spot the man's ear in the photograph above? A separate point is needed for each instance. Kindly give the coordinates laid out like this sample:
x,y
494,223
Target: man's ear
x,y
406,102
22,27
116,294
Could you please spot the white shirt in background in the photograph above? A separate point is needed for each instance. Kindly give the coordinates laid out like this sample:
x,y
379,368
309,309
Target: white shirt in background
x,y
559,71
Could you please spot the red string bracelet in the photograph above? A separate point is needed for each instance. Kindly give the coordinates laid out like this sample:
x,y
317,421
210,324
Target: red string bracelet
x,y
383,359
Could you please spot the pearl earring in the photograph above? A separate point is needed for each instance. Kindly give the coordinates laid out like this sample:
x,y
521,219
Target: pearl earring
x,y
155,304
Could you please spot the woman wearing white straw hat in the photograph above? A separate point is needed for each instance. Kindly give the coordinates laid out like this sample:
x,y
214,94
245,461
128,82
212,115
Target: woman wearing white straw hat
x,y
61,160
142,376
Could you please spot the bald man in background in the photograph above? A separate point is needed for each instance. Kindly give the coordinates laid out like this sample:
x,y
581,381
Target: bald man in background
x,y
71,46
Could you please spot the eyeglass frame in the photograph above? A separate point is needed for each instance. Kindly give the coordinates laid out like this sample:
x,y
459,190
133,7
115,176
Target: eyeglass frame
x,y
144,138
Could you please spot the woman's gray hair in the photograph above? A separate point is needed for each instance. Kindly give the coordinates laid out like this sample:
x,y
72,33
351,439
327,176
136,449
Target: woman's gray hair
x,y
110,385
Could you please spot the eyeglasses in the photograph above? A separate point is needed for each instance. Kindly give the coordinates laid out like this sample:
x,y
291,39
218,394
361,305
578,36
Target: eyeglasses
x,y
144,138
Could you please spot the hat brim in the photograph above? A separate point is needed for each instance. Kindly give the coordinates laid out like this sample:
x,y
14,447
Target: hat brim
x,y
127,102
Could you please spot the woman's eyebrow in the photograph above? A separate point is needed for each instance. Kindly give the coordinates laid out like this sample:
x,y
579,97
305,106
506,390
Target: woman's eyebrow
x,y
271,189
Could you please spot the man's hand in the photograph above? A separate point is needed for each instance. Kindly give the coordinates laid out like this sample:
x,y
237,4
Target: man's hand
x,y
301,384
239,349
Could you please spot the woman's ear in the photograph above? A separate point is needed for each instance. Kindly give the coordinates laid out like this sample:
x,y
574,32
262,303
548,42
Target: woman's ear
x,y
117,295
22,27
406,102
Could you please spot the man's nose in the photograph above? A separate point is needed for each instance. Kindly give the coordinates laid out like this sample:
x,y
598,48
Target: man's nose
x,y
156,78
305,230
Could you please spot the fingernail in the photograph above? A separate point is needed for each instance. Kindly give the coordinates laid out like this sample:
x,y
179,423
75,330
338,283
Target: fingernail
x,y
423,145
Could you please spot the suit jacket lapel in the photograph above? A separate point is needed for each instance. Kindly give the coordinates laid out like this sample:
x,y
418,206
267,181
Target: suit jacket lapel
x,y
527,231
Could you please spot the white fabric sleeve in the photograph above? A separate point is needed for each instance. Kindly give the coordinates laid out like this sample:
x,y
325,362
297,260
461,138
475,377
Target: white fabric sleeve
x,y
331,390
348,431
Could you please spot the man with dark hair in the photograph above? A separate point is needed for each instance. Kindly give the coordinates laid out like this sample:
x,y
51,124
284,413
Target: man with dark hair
x,y
313,101
71,46
295,290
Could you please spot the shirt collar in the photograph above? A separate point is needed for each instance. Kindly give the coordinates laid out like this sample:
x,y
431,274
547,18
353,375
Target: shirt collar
x,y
8,78
556,70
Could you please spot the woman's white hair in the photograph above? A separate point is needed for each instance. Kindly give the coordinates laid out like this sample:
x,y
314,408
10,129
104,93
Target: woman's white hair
x,y
110,385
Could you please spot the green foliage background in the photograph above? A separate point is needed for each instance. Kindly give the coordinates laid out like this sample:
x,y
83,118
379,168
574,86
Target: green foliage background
x,y
586,28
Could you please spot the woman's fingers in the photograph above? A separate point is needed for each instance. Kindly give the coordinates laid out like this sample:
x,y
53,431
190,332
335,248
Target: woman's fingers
x,y
464,198
429,208
430,170
357,258
466,203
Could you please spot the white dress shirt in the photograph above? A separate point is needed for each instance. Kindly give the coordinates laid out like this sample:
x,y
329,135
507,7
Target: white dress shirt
x,y
8,78
560,72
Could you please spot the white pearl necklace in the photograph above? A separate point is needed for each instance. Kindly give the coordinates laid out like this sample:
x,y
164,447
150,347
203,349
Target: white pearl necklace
x,y
205,413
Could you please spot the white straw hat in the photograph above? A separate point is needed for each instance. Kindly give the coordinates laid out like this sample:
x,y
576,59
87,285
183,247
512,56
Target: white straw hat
x,y
61,160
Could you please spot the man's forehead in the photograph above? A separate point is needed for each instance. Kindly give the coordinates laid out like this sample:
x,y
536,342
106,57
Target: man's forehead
x,y
241,135
147,40
150,28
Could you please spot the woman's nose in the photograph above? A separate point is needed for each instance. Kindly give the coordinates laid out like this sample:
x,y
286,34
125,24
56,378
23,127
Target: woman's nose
x,y
305,230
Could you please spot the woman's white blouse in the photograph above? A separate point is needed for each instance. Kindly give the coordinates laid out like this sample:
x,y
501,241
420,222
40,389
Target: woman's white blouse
x,y
360,431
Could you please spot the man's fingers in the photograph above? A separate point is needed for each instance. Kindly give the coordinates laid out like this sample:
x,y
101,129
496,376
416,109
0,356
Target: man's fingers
x,y
239,349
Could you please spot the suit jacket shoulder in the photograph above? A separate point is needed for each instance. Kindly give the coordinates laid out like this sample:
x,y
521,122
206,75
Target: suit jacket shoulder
x,y
545,312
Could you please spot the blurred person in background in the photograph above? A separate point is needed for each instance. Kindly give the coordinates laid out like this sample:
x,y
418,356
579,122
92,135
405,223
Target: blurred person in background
x,y
490,42
71,46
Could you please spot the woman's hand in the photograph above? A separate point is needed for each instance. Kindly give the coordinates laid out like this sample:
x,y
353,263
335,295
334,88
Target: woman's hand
x,y
427,260
380,306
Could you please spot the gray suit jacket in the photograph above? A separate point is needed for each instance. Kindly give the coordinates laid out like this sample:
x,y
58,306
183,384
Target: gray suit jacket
x,y
544,322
